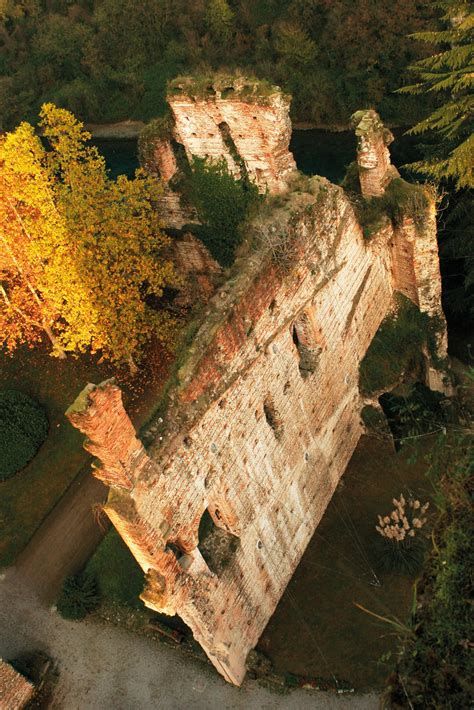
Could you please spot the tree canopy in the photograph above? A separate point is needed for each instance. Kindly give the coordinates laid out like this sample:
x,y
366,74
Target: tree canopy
x,y
449,74
80,252
110,60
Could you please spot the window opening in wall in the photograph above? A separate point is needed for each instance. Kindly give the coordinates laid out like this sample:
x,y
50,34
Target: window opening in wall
x,y
172,547
181,157
272,417
304,339
232,148
216,545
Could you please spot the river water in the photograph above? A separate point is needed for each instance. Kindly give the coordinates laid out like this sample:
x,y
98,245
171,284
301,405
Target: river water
x,y
316,151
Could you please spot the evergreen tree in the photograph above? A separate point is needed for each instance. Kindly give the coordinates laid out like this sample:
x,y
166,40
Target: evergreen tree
x,y
449,74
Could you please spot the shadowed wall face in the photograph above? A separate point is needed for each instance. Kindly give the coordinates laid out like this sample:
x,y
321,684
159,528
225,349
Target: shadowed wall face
x,y
262,422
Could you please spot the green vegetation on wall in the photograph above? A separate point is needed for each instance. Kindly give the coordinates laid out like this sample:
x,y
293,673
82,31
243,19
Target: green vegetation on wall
x,y
401,199
222,204
23,428
396,346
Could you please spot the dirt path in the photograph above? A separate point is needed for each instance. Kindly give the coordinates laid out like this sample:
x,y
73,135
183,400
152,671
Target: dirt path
x,y
107,668
70,533
66,539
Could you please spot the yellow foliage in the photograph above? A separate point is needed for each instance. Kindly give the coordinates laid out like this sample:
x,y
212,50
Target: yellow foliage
x,y
83,250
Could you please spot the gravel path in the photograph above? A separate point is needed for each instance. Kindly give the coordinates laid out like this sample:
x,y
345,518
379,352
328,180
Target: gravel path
x,y
107,668
65,540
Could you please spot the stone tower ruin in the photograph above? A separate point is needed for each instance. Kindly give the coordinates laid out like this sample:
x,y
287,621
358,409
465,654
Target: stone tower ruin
x,y
219,506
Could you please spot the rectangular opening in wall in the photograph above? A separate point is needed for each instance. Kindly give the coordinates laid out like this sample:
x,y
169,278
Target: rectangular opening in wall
x,y
216,545
303,336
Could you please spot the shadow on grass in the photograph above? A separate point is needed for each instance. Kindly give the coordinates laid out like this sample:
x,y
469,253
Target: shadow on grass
x,y
316,629
28,496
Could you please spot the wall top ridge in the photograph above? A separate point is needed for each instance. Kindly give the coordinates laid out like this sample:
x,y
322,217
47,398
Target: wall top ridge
x,y
233,331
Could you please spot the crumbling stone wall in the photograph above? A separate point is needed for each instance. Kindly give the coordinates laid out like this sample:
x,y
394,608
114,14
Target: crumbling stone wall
x,y
262,421
230,119
373,156
245,122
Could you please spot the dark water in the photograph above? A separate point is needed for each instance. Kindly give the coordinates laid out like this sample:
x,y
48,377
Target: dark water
x,y
121,155
317,152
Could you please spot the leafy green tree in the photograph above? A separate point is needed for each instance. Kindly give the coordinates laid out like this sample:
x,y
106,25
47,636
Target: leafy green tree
x,y
81,251
449,74
294,46
219,19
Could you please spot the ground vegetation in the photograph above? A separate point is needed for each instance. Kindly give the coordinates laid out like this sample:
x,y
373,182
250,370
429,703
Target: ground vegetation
x,y
23,428
434,666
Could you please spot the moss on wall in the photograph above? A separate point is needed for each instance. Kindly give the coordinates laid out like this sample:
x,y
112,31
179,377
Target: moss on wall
x,y
396,347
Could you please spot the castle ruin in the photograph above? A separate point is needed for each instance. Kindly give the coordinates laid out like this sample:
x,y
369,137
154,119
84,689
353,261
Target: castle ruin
x,y
220,504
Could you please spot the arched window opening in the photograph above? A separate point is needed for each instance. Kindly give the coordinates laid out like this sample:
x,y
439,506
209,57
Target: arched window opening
x,y
304,338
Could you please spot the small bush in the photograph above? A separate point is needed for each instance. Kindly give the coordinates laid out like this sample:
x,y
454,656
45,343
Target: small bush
x,y
420,412
396,346
401,557
23,428
79,596
222,204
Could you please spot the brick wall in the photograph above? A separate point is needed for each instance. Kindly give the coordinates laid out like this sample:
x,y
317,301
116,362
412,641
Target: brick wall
x,y
262,421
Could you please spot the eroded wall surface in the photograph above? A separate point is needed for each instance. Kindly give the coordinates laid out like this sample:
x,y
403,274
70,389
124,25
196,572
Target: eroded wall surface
x,y
222,128
263,419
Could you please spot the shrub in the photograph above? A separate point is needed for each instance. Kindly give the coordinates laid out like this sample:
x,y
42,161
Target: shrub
x,y
116,572
395,347
420,412
402,543
78,597
23,428
222,204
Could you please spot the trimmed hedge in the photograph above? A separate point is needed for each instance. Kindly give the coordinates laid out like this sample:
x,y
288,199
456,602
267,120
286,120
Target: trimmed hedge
x,y
79,596
23,428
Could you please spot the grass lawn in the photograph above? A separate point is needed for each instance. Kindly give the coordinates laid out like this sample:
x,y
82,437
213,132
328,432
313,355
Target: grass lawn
x,y
316,630
118,576
27,497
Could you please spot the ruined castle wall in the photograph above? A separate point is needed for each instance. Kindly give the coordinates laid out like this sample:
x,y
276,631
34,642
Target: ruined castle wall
x,y
263,419
260,135
265,478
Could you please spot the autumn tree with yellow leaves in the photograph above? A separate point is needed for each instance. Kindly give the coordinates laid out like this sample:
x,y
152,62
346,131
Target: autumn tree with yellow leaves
x,y
79,252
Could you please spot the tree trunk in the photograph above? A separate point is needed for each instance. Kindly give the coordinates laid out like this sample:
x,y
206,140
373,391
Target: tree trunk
x,y
58,351
132,366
